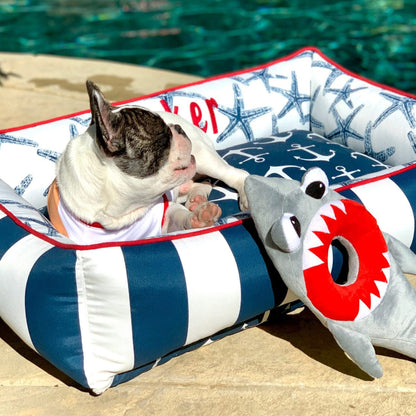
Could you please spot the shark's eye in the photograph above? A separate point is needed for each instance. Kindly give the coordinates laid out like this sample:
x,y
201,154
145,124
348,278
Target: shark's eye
x,y
315,183
294,222
316,189
286,233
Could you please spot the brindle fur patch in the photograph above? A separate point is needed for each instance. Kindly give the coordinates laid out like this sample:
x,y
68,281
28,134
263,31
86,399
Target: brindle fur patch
x,y
137,139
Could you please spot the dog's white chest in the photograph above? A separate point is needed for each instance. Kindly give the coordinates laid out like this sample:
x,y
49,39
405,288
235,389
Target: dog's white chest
x,y
148,225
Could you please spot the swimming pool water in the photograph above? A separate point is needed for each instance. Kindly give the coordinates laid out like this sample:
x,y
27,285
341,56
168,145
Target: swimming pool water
x,y
375,38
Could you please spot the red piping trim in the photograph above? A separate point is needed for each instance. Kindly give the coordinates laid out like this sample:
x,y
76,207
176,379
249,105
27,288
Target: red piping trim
x,y
221,76
360,77
213,229
376,178
58,244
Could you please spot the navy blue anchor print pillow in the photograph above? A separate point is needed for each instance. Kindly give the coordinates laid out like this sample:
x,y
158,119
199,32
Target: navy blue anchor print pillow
x,y
289,155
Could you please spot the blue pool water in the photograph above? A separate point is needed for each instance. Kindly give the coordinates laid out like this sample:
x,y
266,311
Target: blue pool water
x,y
375,38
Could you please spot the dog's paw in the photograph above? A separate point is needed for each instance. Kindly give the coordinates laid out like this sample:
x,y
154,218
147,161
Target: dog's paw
x,y
197,194
193,203
204,214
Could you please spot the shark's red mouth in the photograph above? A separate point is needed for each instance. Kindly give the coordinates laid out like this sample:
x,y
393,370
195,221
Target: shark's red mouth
x,y
350,223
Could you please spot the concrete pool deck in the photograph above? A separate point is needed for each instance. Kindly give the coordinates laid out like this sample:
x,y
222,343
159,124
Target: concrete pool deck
x,y
291,367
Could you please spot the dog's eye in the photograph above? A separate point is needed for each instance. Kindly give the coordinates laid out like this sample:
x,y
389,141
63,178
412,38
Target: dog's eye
x,y
286,233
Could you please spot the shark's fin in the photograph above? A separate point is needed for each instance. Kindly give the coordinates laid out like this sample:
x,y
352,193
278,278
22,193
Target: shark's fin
x,y
358,347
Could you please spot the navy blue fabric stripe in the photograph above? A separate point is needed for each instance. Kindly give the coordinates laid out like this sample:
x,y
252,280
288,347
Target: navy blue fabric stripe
x,y
10,233
349,194
52,312
261,285
121,378
407,182
158,299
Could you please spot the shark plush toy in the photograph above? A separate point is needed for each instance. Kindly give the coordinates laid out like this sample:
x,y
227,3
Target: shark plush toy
x,y
375,304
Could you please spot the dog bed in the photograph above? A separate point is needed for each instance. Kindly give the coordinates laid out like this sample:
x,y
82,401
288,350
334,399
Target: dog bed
x,y
105,313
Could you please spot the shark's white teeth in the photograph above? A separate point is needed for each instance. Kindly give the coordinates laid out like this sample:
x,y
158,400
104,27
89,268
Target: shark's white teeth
x,y
313,241
363,310
374,299
339,204
382,289
320,224
372,287
310,260
328,211
387,270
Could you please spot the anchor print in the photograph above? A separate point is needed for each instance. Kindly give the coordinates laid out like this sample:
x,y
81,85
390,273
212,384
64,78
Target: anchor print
x,y
278,138
258,158
280,170
356,155
227,194
344,172
316,156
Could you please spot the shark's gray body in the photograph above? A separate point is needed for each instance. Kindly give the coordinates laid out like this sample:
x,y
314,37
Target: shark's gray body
x,y
285,212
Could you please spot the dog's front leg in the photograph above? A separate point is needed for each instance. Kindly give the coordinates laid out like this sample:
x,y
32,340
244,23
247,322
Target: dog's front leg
x,y
209,163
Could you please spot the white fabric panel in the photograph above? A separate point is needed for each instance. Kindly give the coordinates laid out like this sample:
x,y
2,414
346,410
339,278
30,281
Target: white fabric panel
x,y
390,206
15,267
213,284
105,316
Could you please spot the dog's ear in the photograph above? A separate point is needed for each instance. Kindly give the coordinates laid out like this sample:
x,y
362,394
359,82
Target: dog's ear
x,y
105,120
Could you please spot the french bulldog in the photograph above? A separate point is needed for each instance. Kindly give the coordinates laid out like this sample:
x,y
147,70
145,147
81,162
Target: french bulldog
x,y
130,176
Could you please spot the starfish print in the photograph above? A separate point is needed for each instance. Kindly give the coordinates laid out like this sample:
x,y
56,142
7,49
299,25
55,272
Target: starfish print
x,y
343,129
240,117
23,185
383,155
315,95
344,94
412,138
17,204
81,120
295,99
262,75
37,224
275,127
7,138
316,124
73,131
399,103
305,54
334,74
50,155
